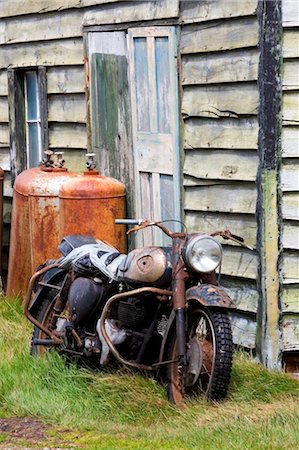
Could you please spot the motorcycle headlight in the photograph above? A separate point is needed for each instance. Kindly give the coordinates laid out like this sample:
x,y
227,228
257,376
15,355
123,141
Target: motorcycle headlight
x,y
202,253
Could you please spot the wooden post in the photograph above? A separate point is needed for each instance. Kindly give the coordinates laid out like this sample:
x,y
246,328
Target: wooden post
x,y
269,195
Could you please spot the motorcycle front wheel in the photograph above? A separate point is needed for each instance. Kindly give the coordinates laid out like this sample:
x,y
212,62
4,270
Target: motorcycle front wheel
x,y
209,358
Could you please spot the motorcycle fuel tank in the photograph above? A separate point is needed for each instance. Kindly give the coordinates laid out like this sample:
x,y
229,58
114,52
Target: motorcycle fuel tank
x,y
149,265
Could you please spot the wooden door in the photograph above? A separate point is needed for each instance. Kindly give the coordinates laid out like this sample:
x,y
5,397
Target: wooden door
x,y
155,126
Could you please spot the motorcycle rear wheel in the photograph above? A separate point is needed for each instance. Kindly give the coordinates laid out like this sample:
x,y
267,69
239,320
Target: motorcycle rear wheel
x,y
209,336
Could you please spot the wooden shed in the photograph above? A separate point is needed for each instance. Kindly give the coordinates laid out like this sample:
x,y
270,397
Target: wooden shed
x,y
194,105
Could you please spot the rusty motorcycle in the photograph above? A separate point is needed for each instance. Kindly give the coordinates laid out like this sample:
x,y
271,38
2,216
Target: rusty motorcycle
x,y
157,309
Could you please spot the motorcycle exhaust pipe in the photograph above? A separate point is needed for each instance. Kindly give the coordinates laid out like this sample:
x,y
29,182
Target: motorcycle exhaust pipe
x,y
45,342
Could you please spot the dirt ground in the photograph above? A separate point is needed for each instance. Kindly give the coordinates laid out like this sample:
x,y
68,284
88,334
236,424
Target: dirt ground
x,y
27,434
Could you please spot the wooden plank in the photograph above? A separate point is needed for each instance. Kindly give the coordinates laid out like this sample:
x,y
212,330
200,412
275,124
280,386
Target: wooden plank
x,y
3,109
244,330
290,333
290,77
290,108
52,53
243,293
5,158
239,263
290,13
290,235
216,36
222,198
220,101
289,142
65,80
3,82
41,27
7,209
201,11
290,44
290,299
7,188
67,136
221,164
75,159
129,12
224,133
67,108
241,225
17,8
4,135
290,206
290,268
290,177
224,67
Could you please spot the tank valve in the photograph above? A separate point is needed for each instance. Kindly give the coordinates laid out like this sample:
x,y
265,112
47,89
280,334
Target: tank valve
x,y
90,163
59,163
47,161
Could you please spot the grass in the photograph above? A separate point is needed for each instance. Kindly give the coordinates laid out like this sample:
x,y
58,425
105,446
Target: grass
x,y
128,411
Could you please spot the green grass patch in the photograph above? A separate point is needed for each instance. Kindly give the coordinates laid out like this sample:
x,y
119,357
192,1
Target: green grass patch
x,y
102,410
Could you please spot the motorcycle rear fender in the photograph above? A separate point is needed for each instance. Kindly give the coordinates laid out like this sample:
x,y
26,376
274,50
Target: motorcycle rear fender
x,y
52,277
206,295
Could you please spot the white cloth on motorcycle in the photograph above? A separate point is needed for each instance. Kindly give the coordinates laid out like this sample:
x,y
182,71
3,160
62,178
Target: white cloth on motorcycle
x,y
72,241
101,256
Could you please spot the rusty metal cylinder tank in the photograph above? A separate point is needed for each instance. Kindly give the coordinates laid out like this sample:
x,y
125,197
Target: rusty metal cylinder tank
x,y
35,227
1,217
90,204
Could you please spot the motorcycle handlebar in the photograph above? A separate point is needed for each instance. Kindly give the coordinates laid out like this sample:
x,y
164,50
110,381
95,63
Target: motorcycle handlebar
x,y
128,221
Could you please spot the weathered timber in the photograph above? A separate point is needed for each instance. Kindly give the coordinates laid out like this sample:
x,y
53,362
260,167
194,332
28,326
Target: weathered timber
x,y
290,298
224,67
243,293
3,109
67,136
216,36
290,206
56,25
244,330
4,135
7,208
52,53
75,159
239,262
290,79
128,11
268,209
221,164
290,267
222,198
109,99
4,158
3,82
221,100
222,133
290,47
16,8
65,80
289,142
17,130
67,108
7,186
290,108
290,177
204,10
290,333
240,225
290,236
290,13
42,95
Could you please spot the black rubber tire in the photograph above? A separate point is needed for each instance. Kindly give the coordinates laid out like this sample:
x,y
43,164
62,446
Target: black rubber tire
x,y
215,385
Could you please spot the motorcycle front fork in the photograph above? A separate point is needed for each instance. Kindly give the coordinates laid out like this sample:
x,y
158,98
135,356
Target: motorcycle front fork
x,y
179,277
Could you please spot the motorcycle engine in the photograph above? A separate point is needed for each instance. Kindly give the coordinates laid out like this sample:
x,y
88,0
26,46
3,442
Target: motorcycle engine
x,y
131,314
